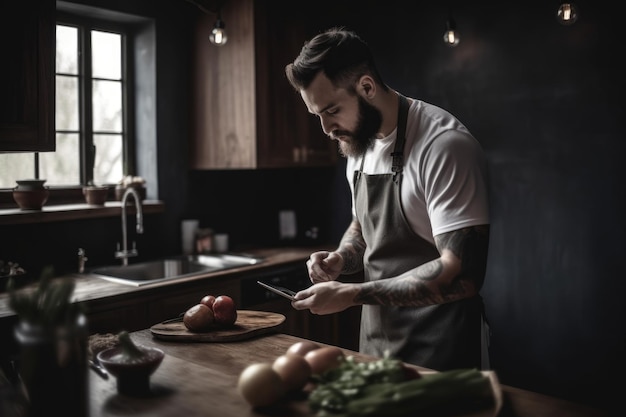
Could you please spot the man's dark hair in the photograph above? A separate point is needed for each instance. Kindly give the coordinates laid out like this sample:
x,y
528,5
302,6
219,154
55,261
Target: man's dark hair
x,y
341,54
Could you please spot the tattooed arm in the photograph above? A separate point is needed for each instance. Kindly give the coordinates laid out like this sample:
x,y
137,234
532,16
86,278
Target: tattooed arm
x,y
347,259
458,273
351,248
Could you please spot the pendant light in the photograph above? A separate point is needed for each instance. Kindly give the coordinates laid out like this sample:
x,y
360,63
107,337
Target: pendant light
x,y
567,13
218,34
451,36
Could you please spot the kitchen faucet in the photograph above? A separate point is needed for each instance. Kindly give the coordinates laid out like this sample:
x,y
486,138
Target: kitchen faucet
x,y
124,254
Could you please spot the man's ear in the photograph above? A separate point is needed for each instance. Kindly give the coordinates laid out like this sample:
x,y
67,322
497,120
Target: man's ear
x,y
366,87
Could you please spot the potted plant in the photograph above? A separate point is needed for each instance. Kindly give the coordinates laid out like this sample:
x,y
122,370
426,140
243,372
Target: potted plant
x,y
51,333
10,270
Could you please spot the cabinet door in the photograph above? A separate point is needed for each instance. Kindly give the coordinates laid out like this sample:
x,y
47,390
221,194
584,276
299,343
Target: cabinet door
x,y
246,114
27,41
224,123
287,135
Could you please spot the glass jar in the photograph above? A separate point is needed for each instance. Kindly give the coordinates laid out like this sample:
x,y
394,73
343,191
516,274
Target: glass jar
x,y
53,367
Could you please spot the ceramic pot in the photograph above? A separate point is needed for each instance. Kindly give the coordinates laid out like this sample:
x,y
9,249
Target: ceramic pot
x,y
30,184
53,366
95,195
30,194
121,189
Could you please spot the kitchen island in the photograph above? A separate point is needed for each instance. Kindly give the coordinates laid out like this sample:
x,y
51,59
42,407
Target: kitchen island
x,y
200,379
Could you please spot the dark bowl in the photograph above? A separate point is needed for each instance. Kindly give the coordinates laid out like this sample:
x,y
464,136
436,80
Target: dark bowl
x,y
132,374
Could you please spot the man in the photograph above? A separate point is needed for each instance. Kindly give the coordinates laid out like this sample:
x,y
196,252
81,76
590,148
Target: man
x,y
420,227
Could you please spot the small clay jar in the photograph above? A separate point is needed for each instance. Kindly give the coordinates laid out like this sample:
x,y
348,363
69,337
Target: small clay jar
x,y
121,189
95,195
31,194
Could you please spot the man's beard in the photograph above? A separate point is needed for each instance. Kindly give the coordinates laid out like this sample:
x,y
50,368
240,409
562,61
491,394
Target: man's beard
x,y
363,136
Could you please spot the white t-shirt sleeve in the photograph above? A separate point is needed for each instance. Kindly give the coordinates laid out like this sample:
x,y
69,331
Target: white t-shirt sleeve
x,y
454,176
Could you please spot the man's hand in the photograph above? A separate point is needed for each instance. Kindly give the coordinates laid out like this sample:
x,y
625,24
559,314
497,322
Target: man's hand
x,y
324,266
326,297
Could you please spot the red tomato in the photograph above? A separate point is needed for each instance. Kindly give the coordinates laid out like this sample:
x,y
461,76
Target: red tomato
x,y
324,359
199,318
225,310
208,300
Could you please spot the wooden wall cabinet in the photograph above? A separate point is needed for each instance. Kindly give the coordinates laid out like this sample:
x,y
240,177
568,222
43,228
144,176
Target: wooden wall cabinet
x,y
246,114
27,41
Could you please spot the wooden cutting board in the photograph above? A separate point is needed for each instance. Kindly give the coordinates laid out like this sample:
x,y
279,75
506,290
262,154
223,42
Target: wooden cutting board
x,y
249,324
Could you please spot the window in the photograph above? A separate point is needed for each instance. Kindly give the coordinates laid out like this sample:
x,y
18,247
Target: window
x,y
92,119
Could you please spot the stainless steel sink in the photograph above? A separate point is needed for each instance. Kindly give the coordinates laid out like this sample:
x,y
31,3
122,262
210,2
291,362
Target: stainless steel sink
x,y
172,268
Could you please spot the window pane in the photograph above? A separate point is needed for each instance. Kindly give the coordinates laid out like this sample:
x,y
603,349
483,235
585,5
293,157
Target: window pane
x,y
107,106
66,117
107,52
16,166
67,50
109,166
61,167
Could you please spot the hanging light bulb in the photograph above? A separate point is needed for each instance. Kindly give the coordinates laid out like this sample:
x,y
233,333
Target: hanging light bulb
x,y
218,34
451,36
567,13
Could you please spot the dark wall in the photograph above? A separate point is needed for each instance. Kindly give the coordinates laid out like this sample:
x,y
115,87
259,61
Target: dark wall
x,y
545,101
246,204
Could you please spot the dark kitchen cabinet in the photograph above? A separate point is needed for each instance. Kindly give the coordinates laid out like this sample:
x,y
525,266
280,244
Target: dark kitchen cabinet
x,y
247,115
27,42
135,312
341,329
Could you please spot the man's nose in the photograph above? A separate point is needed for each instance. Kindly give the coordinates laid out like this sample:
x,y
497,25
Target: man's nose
x,y
326,125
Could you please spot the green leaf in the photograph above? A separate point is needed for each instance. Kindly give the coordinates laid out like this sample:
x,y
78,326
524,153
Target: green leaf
x,y
49,304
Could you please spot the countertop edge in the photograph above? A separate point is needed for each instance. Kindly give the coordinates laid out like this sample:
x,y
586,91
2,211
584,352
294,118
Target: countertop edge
x,y
91,289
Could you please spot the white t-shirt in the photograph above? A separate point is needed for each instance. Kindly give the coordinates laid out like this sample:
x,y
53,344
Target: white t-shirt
x,y
444,187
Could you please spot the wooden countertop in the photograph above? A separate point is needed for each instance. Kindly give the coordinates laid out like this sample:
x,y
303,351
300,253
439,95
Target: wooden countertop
x,y
96,292
199,379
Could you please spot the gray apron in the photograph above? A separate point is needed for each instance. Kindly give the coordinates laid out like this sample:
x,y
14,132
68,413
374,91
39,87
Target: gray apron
x,y
440,337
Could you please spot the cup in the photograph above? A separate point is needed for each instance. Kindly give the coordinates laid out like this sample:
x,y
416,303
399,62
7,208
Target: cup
x,y
95,195
220,242
188,235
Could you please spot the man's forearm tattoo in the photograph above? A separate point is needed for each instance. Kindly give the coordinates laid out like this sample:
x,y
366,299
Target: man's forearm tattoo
x,y
414,288
470,245
352,248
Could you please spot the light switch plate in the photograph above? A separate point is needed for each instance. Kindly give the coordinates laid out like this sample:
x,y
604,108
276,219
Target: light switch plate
x,y
287,224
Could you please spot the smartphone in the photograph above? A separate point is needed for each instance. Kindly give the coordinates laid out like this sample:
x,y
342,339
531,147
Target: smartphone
x,y
282,291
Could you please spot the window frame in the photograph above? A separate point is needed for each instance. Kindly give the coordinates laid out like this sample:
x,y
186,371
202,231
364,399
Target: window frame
x,y
72,194
86,25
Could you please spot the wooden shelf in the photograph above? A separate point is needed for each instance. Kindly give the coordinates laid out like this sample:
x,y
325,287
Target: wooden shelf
x,y
64,212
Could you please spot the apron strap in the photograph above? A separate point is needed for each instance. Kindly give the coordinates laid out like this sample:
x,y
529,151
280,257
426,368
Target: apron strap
x,y
397,161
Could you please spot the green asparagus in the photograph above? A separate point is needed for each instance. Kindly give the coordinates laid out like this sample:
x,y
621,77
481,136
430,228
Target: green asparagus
x,y
380,388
